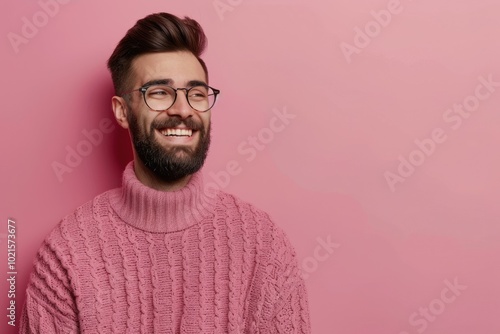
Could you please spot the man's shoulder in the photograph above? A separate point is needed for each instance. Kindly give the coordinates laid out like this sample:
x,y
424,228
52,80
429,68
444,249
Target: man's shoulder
x,y
270,237
87,213
91,207
236,205
250,215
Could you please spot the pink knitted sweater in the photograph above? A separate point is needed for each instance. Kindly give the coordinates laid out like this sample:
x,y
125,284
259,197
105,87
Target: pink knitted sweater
x,y
138,260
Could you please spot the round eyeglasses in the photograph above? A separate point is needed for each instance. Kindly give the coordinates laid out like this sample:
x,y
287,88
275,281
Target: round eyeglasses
x,y
161,97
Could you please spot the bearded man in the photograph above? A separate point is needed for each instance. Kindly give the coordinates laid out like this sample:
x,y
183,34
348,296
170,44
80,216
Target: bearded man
x,y
164,253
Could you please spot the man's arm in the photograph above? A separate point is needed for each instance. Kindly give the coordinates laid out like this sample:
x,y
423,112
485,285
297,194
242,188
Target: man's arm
x,y
294,315
286,294
50,304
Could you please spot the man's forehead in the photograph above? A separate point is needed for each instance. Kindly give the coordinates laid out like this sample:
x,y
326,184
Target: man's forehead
x,y
179,67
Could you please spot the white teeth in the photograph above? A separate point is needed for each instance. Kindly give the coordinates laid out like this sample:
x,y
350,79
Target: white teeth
x,y
177,132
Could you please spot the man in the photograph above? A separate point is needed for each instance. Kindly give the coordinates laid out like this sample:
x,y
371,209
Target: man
x,y
164,253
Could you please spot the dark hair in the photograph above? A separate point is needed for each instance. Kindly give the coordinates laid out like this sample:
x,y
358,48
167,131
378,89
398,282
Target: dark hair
x,y
159,32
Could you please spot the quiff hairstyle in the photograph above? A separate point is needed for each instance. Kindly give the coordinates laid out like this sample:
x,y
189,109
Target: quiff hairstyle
x,y
159,32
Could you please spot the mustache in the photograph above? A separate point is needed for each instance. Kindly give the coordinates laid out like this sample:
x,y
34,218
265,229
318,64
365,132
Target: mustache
x,y
173,122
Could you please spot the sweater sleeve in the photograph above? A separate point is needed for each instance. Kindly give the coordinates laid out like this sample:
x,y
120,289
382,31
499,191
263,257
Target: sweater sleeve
x,y
293,317
286,296
50,305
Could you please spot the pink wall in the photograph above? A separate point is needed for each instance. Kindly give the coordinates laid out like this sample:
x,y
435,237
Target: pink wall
x,y
384,171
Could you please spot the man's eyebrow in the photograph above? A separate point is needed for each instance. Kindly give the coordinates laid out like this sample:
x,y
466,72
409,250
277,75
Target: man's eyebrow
x,y
170,82
196,83
159,82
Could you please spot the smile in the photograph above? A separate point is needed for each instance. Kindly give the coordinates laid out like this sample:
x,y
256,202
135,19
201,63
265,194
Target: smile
x,y
177,132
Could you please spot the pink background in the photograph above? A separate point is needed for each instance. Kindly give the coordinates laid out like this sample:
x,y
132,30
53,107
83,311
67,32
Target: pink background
x,y
394,247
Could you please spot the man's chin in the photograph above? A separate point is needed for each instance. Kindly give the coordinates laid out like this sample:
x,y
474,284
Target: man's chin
x,y
173,164
180,154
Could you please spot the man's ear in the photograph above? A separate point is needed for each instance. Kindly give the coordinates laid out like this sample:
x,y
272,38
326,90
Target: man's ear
x,y
120,110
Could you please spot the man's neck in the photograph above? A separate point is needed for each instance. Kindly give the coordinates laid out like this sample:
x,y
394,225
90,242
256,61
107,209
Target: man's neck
x,y
152,181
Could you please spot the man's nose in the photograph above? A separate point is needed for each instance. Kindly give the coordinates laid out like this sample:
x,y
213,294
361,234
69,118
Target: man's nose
x,y
181,105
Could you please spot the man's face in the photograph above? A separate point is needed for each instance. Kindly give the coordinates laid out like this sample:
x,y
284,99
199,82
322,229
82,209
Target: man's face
x,y
166,153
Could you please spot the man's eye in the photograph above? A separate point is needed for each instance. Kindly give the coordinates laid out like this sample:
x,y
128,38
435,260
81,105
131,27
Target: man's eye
x,y
159,93
197,93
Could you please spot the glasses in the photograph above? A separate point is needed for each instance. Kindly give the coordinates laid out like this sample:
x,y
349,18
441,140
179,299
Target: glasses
x,y
161,97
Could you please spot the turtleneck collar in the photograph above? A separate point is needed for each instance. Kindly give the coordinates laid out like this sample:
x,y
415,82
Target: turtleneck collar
x,y
161,211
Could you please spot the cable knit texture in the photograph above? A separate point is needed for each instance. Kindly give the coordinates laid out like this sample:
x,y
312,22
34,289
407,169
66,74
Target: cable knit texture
x,y
138,260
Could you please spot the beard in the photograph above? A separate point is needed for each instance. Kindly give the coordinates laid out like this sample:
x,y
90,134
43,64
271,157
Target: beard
x,y
173,163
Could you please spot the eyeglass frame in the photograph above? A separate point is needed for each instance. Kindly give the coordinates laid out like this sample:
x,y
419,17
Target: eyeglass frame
x,y
186,90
